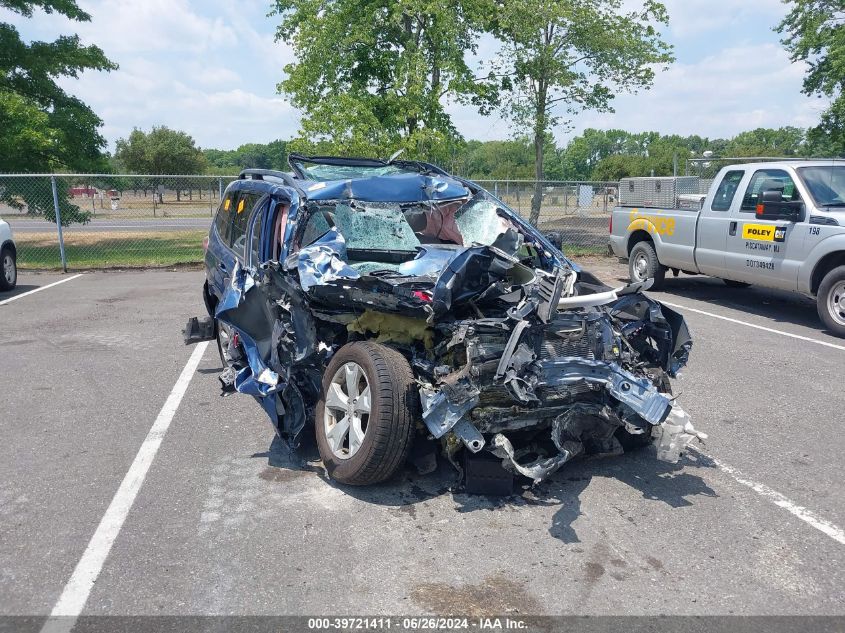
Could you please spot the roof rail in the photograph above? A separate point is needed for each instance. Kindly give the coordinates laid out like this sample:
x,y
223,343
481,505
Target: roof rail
x,y
258,174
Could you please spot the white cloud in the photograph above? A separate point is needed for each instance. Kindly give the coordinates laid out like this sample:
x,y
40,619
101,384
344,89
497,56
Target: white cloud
x,y
211,67
695,17
132,27
735,89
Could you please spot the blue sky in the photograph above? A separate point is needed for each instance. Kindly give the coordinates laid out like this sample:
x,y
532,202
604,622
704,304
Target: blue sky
x,y
211,68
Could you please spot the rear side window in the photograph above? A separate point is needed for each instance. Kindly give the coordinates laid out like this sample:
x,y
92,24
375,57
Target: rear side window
x,y
768,180
223,221
255,245
240,220
727,190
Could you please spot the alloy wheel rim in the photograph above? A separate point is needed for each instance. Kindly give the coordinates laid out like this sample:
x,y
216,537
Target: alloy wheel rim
x,y
836,303
9,268
347,410
223,338
640,267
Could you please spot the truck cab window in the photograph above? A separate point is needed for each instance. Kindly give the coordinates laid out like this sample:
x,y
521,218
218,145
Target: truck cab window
x,y
768,180
724,196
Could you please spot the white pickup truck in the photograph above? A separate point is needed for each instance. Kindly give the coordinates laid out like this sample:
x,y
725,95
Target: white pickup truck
x,y
773,224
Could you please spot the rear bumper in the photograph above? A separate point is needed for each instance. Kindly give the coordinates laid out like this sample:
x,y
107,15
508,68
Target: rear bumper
x,y
618,245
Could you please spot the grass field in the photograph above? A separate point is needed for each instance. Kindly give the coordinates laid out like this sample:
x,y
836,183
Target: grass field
x,y
143,249
110,250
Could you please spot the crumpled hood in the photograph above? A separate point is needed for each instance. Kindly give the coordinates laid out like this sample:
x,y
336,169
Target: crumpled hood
x,y
396,188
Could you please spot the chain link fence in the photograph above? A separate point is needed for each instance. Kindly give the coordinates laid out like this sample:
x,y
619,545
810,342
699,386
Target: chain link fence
x,y
108,221
578,211
112,221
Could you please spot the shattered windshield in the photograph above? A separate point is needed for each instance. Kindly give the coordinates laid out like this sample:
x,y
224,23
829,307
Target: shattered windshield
x,y
826,184
383,226
325,173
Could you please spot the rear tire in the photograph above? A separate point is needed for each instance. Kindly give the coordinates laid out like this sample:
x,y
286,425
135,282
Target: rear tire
x,y
8,269
831,301
643,264
730,283
365,438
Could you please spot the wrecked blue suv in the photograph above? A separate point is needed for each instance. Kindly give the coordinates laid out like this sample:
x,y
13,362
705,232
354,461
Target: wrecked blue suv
x,y
401,313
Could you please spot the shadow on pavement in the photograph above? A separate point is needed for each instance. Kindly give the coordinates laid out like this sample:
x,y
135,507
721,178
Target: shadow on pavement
x,y
779,306
673,484
19,290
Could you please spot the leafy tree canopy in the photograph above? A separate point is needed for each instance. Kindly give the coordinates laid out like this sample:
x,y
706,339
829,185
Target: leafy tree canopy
x,y
372,77
273,155
160,151
573,55
815,33
42,127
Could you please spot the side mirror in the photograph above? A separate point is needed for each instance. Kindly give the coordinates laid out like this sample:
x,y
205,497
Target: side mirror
x,y
555,238
772,207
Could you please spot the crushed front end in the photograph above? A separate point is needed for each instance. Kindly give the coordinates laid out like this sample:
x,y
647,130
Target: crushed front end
x,y
515,352
567,367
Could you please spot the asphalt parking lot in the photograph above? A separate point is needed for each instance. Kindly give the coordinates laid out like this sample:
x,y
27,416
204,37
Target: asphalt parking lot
x,y
226,521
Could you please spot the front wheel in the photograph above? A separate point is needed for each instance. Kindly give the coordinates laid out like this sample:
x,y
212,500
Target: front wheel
x,y
643,264
8,269
831,301
365,417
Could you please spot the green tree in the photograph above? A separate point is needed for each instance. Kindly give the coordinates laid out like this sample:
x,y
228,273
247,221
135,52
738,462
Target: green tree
x,y
619,166
161,151
273,155
372,77
42,127
785,141
497,159
576,54
583,153
815,33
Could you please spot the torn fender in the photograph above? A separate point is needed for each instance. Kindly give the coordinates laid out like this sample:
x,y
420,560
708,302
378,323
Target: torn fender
x,y
638,394
245,312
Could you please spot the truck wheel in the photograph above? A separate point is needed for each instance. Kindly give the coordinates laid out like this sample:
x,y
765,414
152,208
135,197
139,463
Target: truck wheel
x,y
643,264
365,417
8,269
730,283
831,301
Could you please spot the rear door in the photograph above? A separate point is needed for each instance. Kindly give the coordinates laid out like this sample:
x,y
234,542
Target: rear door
x,y
765,252
714,224
240,223
219,259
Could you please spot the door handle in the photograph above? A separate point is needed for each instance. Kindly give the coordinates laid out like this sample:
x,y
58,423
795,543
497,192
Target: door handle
x,y
222,266
732,229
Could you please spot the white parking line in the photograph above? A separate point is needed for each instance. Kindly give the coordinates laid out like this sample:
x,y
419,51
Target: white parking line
x,y
807,516
756,327
78,588
32,292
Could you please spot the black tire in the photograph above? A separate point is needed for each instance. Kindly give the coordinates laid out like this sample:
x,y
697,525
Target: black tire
x,y
8,269
643,264
730,283
393,410
830,301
